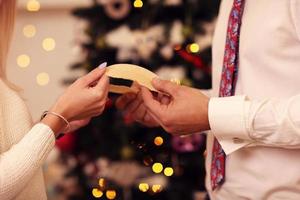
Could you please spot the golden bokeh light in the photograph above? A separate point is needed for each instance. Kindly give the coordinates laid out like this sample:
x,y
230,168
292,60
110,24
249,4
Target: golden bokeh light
x,y
49,44
168,171
97,193
29,31
102,182
157,168
194,48
138,3
144,187
42,79
156,188
111,194
23,61
158,141
33,5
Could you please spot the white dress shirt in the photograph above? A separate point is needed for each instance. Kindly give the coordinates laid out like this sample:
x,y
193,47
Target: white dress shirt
x,y
259,128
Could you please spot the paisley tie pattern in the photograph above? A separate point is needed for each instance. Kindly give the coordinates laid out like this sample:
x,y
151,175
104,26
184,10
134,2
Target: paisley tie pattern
x,y
227,85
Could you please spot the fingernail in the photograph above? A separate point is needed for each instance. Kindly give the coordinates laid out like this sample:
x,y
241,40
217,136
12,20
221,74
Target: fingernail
x,y
103,65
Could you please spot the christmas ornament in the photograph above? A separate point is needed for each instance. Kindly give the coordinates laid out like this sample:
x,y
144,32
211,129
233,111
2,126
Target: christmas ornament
x,y
117,9
137,44
171,72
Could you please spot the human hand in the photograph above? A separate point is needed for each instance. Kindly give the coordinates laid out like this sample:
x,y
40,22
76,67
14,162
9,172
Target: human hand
x,y
85,98
133,105
186,113
77,124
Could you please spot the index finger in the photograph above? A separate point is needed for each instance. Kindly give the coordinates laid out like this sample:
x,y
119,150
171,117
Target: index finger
x,y
152,105
103,85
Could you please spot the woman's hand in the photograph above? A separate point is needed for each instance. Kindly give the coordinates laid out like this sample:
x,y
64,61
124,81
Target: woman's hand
x,y
77,124
85,98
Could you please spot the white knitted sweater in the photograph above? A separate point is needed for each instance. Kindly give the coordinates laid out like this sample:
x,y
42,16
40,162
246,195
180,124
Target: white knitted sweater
x,y
23,149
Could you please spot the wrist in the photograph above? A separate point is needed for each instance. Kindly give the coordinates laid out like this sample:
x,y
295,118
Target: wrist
x,y
61,111
55,123
205,117
206,114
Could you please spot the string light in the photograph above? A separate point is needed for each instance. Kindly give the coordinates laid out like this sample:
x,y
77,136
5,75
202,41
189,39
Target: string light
x,y
49,44
33,5
168,171
144,187
42,79
29,31
156,188
97,193
158,141
194,48
101,182
138,3
23,60
111,194
157,168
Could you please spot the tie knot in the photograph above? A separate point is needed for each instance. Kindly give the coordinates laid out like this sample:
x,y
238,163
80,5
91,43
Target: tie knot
x,y
238,3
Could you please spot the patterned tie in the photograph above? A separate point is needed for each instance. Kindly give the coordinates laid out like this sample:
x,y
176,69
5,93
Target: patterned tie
x,y
227,86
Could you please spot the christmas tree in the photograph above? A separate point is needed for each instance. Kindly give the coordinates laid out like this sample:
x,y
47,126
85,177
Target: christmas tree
x,y
114,157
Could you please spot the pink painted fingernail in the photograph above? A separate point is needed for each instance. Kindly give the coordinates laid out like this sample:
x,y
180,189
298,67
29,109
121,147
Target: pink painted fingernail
x,y
103,65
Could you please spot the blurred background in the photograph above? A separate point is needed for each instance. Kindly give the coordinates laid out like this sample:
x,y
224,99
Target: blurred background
x,y
57,41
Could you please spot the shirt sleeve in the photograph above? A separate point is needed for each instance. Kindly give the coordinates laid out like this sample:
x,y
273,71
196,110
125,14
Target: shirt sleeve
x,y
238,122
19,164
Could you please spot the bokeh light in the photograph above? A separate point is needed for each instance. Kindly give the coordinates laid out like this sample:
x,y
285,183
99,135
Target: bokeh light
x,y
194,48
102,182
97,193
42,79
158,141
138,3
144,187
111,194
23,61
49,44
168,171
156,188
157,168
29,31
33,5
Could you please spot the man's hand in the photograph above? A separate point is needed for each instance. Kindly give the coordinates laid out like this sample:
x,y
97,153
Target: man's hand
x,y
186,113
133,105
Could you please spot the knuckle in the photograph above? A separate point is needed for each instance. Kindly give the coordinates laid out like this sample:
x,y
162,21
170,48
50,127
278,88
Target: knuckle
x,y
99,94
166,121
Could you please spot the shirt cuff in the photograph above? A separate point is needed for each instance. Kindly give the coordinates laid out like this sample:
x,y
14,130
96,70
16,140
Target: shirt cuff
x,y
227,119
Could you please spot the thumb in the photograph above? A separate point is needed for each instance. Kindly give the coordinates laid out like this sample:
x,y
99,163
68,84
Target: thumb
x,y
93,76
165,86
153,106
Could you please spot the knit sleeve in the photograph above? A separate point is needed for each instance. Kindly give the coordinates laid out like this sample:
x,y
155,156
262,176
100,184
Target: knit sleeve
x,y
19,164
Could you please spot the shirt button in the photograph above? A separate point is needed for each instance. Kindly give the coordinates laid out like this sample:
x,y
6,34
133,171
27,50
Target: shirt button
x,y
237,140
